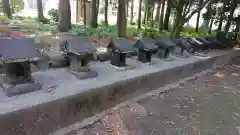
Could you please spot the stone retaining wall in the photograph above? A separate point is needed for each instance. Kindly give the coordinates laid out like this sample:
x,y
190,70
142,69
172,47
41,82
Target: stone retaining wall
x,y
45,118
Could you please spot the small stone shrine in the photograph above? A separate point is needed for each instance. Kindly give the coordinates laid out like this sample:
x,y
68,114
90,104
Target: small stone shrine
x,y
165,47
186,45
222,37
16,56
80,53
216,44
120,48
146,47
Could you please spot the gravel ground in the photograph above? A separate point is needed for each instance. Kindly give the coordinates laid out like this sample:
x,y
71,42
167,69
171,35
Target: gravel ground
x,y
208,105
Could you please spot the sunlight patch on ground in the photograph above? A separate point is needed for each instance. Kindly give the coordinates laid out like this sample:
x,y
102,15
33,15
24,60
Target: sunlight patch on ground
x,y
220,75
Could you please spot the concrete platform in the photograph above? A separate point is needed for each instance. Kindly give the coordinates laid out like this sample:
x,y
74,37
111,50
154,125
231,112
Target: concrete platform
x,y
64,99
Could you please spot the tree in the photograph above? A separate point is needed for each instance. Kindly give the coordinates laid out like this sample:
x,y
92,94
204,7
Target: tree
x,y
198,19
209,16
84,13
131,16
210,26
106,13
158,10
167,14
64,16
140,14
16,5
185,9
7,9
237,28
148,11
221,15
94,14
230,16
121,18
162,15
40,11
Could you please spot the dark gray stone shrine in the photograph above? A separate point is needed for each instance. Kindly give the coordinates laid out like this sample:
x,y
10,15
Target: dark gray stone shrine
x,y
165,47
184,42
120,48
16,56
80,53
146,47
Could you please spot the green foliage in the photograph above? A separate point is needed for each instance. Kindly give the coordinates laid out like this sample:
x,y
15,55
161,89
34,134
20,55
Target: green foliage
x,y
53,13
190,32
89,31
3,18
147,33
30,23
50,28
16,5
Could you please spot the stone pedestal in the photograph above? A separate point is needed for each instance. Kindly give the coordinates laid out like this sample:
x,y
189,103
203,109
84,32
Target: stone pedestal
x,y
18,72
144,56
56,62
163,53
180,52
118,59
79,66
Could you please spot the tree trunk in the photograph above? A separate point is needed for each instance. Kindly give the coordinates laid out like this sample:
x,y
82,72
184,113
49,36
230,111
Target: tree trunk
x,y
167,15
84,13
106,12
237,29
220,23
210,27
127,6
40,11
221,18
158,11
97,7
151,15
140,14
7,9
145,15
198,19
178,24
132,8
64,16
230,17
94,14
162,15
121,18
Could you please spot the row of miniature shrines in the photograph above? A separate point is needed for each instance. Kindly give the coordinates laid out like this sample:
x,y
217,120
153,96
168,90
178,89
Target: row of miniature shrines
x,y
17,54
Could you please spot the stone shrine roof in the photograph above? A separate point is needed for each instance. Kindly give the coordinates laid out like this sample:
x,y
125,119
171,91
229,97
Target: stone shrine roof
x,y
17,50
79,46
121,45
146,44
165,42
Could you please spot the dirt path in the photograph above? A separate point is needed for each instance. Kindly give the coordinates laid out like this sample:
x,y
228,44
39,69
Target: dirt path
x,y
208,105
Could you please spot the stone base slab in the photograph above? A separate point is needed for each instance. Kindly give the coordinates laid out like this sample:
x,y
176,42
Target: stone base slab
x,y
84,75
13,90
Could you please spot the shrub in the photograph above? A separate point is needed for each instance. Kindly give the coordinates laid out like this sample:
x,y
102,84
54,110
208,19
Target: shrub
x,y
89,31
53,13
52,28
3,18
